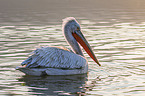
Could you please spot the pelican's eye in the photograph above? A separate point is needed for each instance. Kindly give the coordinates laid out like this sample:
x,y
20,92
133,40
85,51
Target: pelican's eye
x,y
78,28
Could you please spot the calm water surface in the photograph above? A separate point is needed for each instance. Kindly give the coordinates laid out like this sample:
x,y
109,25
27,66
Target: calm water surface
x,y
115,30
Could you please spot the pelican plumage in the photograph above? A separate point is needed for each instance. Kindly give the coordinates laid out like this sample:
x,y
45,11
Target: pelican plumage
x,y
61,61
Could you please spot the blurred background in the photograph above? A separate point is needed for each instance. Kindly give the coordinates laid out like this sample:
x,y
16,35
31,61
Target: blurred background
x,y
114,28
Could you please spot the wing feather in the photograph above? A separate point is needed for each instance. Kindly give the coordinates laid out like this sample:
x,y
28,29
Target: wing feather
x,y
53,57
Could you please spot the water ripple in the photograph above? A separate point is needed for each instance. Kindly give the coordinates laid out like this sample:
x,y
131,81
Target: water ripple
x,y
115,34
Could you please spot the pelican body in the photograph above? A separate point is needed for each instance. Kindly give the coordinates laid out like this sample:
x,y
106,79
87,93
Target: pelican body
x,y
59,60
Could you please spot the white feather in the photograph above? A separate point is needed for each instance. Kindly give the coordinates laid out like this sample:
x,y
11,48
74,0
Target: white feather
x,y
52,57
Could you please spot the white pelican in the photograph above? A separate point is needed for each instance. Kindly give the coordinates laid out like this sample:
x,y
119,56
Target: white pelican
x,y
61,61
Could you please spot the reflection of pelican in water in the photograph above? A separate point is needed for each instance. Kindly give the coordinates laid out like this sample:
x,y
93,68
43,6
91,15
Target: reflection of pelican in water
x,y
61,61
55,85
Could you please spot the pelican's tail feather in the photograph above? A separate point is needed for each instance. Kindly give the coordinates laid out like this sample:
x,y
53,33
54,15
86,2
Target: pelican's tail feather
x,y
29,71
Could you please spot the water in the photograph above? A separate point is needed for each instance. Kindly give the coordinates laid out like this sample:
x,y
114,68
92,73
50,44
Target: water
x,y
114,29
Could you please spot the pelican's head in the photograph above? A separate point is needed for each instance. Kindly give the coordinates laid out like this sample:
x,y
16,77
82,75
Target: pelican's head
x,y
70,24
73,35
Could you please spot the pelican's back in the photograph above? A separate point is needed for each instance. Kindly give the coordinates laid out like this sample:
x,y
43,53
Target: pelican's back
x,y
52,57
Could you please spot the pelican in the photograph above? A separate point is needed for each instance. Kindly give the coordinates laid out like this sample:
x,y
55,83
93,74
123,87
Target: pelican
x,y
59,60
